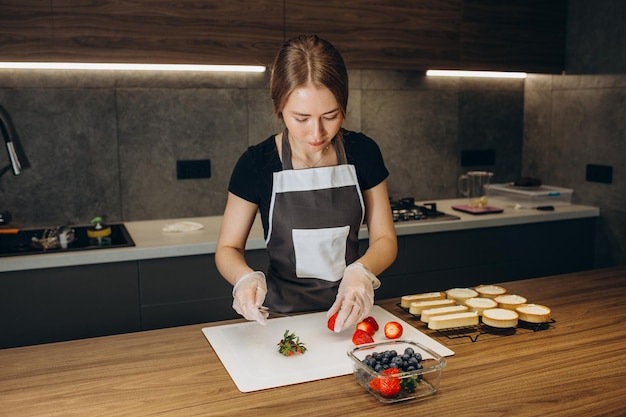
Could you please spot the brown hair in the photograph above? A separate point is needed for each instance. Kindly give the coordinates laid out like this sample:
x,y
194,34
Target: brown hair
x,y
308,59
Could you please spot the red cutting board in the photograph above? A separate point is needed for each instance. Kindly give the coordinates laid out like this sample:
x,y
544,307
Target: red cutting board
x,y
249,351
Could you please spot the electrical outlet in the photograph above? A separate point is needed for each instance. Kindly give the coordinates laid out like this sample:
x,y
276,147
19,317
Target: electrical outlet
x,y
599,173
475,157
192,169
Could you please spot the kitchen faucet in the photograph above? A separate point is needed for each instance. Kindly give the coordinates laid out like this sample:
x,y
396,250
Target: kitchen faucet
x,y
18,160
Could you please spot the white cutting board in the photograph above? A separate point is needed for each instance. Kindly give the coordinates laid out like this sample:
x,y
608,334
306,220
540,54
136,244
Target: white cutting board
x,y
249,351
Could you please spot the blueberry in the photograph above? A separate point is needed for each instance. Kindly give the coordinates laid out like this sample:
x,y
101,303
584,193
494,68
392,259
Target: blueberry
x,y
409,351
411,368
378,367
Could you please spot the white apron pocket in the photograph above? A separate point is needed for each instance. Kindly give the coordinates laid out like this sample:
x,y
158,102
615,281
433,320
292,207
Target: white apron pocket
x,y
320,253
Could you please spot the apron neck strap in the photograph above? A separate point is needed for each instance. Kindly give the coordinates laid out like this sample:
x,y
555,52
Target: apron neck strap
x,y
286,151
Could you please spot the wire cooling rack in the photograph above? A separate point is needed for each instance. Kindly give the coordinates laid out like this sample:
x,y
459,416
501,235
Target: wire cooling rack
x,y
472,334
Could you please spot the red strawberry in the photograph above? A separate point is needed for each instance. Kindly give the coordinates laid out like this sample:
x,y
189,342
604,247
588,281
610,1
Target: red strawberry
x,y
331,322
361,337
366,327
375,384
388,386
393,330
371,320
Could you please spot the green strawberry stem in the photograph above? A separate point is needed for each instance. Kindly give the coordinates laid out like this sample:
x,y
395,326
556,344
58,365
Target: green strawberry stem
x,y
290,344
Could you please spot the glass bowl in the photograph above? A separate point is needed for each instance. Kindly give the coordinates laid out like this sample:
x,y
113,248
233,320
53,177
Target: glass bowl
x,y
388,386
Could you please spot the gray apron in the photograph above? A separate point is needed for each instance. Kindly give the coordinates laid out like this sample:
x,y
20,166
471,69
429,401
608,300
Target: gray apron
x,y
314,220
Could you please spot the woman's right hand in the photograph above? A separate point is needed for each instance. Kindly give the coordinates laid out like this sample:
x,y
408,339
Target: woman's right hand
x,y
249,294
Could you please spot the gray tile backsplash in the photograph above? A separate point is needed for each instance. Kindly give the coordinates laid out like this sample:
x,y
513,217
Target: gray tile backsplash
x,y
107,144
157,127
572,121
70,138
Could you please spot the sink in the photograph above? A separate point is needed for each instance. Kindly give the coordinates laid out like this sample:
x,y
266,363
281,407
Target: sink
x,y
21,243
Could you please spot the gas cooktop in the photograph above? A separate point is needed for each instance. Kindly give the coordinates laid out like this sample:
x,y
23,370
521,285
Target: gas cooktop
x,y
405,209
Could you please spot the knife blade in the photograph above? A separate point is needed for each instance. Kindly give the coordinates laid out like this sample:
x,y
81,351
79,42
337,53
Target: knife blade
x,y
273,313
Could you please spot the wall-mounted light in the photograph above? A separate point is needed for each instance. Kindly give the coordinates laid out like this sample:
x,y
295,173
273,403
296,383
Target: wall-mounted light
x,y
130,67
480,74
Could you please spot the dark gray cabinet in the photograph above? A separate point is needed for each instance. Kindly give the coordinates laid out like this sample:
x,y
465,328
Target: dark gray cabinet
x,y
48,305
187,290
183,290
439,261
75,302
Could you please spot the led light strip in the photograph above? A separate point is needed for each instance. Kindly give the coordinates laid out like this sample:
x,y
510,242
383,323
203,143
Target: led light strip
x,y
480,74
130,67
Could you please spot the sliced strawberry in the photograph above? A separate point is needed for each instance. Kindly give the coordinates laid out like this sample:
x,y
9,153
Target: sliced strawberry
x,y
331,322
391,371
361,337
371,320
388,386
366,327
375,384
393,330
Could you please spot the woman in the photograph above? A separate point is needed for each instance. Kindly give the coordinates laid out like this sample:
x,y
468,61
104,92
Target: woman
x,y
313,185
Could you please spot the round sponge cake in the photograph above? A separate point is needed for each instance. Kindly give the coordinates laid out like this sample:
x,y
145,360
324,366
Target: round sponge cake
x,y
479,304
533,313
510,301
490,291
459,295
500,317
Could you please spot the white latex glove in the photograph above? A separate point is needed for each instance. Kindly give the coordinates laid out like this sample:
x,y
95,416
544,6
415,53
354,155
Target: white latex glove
x,y
249,294
355,296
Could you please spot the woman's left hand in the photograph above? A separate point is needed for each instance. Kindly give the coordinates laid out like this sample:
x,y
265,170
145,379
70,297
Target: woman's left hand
x,y
355,296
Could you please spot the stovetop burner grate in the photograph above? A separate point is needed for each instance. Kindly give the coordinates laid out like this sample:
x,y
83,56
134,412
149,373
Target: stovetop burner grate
x,y
405,209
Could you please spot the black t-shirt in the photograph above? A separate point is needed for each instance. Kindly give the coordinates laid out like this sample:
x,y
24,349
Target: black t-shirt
x,y
253,174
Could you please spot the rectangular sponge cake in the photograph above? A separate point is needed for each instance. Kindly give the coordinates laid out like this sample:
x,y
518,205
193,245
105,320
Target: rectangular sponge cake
x,y
438,311
417,307
448,321
406,300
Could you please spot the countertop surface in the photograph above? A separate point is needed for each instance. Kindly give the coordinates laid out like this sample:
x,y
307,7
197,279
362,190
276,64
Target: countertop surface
x,y
152,242
576,367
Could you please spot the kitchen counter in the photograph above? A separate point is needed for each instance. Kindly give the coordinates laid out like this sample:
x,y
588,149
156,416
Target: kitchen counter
x,y
151,242
577,367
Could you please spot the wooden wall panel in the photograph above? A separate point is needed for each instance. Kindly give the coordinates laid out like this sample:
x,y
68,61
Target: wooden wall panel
x,y
187,31
25,30
382,34
155,31
524,35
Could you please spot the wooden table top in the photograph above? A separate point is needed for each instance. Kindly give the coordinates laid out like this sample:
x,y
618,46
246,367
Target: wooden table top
x,y
577,367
